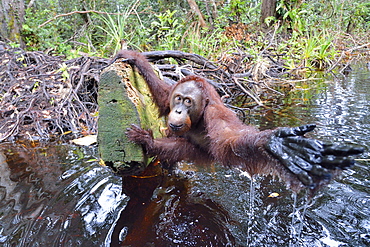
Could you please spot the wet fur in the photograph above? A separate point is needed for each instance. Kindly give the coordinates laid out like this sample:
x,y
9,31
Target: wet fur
x,y
219,135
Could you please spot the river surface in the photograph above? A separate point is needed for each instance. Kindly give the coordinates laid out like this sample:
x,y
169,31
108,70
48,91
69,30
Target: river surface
x,y
60,196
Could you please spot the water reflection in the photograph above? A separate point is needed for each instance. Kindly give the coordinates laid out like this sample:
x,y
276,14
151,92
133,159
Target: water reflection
x,y
340,214
55,196
343,114
163,211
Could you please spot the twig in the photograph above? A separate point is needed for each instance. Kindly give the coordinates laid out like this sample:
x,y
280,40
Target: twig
x,y
344,53
247,92
206,64
271,40
20,115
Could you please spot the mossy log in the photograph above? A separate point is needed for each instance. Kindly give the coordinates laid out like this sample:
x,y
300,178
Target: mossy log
x,y
124,99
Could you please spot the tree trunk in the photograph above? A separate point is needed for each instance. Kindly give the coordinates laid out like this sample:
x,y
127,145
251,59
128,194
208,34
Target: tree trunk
x,y
268,8
124,99
195,8
211,11
11,20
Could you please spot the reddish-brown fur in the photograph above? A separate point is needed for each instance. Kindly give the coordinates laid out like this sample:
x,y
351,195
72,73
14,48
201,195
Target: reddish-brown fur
x,y
218,136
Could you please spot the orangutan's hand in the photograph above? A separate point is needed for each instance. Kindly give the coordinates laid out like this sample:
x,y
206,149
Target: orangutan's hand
x,y
309,159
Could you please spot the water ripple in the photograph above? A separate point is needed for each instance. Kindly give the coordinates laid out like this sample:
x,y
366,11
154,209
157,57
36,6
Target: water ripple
x,y
56,202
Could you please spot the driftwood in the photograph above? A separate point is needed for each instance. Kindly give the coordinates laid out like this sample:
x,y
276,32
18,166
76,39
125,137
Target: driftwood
x,y
201,63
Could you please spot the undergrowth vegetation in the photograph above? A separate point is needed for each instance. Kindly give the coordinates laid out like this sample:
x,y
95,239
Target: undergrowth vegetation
x,y
305,35
252,62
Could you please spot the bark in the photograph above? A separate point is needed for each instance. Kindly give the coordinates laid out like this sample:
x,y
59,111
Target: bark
x,y
11,20
268,8
211,11
194,7
124,99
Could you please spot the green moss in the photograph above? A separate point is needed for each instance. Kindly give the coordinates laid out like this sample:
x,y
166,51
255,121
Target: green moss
x,y
124,99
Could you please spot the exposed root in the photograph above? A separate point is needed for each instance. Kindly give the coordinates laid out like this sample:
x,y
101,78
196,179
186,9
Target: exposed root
x,y
45,97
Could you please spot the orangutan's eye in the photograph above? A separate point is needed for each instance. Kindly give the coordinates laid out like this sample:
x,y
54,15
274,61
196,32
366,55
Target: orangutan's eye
x,y
187,102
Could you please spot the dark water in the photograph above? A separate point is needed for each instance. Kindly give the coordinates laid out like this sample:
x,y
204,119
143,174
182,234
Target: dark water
x,y
54,196
60,196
